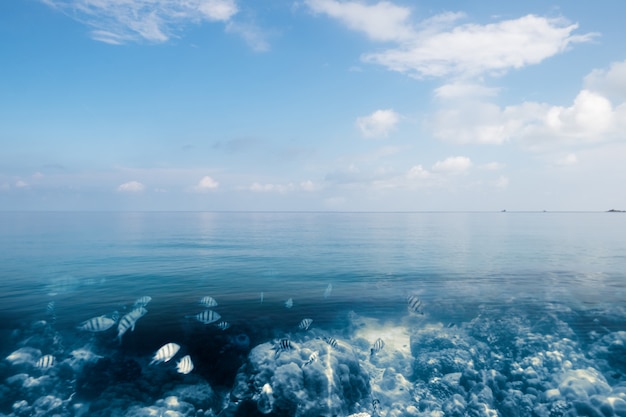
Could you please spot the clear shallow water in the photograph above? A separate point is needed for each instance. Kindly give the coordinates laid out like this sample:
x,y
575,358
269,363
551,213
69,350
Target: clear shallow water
x,y
463,266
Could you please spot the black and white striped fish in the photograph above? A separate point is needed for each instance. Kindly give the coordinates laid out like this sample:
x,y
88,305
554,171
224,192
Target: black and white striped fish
x,y
129,320
46,362
185,365
208,301
97,324
305,323
51,311
142,301
414,304
378,345
375,407
289,303
331,341
223,325
283,345
328,290
314,356
165,353
206,316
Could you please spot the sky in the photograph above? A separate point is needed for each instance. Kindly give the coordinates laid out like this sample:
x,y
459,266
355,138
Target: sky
x,y
312,105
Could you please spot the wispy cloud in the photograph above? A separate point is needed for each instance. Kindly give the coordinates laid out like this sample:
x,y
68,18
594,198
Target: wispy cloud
x,y
442,46
122,21
378,124
131,187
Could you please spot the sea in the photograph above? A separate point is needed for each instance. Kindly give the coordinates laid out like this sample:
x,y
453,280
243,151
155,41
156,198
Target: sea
x,y
477,313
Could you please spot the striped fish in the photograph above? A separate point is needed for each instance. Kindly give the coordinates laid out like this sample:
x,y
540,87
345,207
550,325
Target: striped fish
x,y
331,341
51,311
97,324
223,325
283,345
206,316
142,301
165,353
208,301
376,407
377,347
314,356
414,304
305,323
46,362
289,303
328,290
185,365
129,320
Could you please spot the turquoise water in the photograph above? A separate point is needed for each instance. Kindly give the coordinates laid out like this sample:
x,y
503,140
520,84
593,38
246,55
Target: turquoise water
x,y
464,267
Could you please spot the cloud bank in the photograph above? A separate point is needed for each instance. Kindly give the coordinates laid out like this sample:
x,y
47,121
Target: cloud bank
x,y
442,46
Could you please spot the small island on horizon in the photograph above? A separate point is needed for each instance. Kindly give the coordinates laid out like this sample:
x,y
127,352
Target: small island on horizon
x,y
616,211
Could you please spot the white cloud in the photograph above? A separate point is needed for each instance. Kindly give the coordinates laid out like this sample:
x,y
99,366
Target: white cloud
x,y
460,90
207,184
21,184
439,46
417,172
378,124
307,186
383,21
569,159
610,83
131,187
271,188
502,182
453,165
121,21
493,166
254,37
590,118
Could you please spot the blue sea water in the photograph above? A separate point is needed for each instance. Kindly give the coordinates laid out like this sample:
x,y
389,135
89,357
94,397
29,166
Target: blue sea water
x,y
490,285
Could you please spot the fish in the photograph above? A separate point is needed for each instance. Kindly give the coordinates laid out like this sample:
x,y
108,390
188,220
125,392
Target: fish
x,y
305,323
328,290
414,304
185,365
375,407
314,356
165,353
379,344
142,301
283,345
331,341
206,316
289,303
97,324
46,362
51,310
223,325
129,320
208,301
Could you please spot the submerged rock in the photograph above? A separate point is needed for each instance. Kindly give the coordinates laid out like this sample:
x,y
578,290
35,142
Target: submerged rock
x,y
284,381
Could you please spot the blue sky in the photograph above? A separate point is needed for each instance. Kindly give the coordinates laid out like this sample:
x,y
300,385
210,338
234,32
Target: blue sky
x,y
312,105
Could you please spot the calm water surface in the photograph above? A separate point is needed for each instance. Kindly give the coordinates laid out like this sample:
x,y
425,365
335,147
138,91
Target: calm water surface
x,y
89,261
